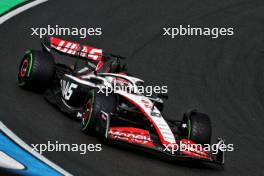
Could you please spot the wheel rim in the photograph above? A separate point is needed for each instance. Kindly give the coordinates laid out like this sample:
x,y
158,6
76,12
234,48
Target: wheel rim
x,y
24,68
87,113
187,129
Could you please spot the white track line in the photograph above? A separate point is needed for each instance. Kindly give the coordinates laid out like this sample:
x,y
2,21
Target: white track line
x,y
26,147
20,10
8,162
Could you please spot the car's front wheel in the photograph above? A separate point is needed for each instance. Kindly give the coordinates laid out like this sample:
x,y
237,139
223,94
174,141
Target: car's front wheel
x,y
94,105
196,126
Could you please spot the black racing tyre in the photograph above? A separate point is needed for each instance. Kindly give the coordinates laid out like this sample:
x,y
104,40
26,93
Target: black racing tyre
x,y
95,103
198,127
36,71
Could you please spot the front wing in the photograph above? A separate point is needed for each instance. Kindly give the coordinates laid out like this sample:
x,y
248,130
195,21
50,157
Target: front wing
x,y
142,139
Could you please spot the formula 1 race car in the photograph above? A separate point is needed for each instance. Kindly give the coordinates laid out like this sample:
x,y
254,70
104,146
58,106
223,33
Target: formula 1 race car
x,y
108,101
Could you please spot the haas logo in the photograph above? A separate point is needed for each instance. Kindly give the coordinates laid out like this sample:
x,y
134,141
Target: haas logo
x,y
67,89
74,48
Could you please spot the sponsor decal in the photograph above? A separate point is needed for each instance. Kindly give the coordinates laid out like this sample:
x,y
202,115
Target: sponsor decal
x,y
67,89
132,135
76,49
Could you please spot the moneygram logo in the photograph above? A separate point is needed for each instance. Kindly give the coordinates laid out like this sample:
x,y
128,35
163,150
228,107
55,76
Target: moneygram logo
x,y
138,138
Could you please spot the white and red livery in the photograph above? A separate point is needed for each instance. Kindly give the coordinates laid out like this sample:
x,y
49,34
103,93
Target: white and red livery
x,y
109,104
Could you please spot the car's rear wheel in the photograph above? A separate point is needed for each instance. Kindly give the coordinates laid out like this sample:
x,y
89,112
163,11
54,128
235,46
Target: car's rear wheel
x,y
36,71
95,103
197,127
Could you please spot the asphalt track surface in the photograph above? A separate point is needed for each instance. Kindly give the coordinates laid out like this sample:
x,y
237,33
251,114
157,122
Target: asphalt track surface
x,y
223,77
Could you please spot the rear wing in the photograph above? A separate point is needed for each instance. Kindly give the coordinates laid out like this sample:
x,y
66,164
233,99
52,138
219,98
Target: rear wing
x,y
76,49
